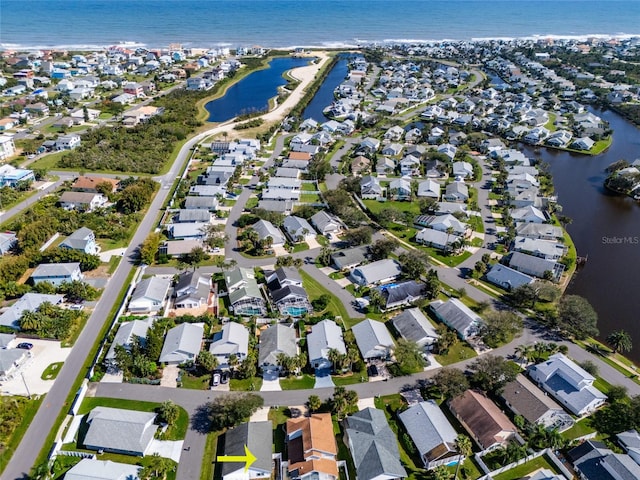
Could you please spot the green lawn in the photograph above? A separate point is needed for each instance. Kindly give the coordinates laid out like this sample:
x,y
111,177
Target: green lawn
x,y
51,372
451,261
10,442
300,247
351,378
315,290
252,202
195,383
174,432
114,261
526,468
246,384
375,206
309,187
310,198
293,383
278,417
460,351
210,450
580,429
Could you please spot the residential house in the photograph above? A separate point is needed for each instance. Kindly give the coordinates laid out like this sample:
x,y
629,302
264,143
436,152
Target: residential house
x,y
400,189
524,398
14,177
414,326
312,449
447,223
83,240
140,114
276,339
29,302
82,201
547,249
285,287
373,339
188,230
192,290
325,336
193,216
569,384
298,229
6,340
630,442
458,167
507,278
67,142
349,258
7,147
382,271
244,294
458,316
401,294
583,143
386,165
542,231
94,469
57,273
178,248
370,188
326,223
429,188
79,117
182,344
392,150
536,266
373,446
88,184
127,334
8,240
201,203
462,170
149,295
257,437
528,214
233,339
11,359
431,433
117,430
456,192
594,461
369,145
437,239
266,229
483,420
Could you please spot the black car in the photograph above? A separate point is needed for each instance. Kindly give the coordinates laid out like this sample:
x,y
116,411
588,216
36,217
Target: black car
x,y
25,345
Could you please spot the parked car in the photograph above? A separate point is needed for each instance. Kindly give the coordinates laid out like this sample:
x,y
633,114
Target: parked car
x,y
216,380
224,378
25,345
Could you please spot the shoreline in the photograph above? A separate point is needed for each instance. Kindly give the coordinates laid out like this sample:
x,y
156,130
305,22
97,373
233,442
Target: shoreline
x,y
327,44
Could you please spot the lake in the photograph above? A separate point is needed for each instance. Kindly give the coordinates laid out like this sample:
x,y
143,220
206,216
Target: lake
x,y
324,96
252,93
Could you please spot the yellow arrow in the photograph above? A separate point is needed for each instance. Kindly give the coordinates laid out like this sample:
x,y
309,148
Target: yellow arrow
x,y
248,458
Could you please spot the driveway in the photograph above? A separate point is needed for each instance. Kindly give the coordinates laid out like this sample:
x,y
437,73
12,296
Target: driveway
x,y
270,383
170,375
323,379
43,354
166,448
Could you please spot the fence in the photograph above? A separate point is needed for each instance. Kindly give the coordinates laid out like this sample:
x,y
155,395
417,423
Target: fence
x,y
550,456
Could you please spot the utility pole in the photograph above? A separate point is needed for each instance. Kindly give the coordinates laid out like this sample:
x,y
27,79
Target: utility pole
x,y
25,385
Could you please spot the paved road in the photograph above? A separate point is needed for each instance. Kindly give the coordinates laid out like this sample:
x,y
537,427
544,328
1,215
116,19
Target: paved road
x,y
16,209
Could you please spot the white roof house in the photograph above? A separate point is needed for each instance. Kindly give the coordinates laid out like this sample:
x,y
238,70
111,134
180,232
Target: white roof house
x,y
326,223
431,432
376,272
149,295
568,383
324,336
182,343
266,229
233,339
373,339
117,430
298,229
28,302
94,469
414,326
528,214
126,334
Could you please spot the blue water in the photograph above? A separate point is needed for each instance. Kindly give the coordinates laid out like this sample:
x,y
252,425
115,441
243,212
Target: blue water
x,y
324,95
253,92
285,23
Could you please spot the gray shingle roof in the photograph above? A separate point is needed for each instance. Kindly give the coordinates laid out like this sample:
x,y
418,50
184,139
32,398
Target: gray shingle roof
x,y
257,436
93,469
55,269
267,229
349,256
28,302
323,337
233,339
78,239
9,357
373,338
152,288
456,315
194,215
506,277
276,339
116,429
126,333
414,326
377,271
429,429
374,447
182,343
527,400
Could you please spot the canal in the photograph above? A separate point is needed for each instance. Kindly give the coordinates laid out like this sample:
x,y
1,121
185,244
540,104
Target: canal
x,y
606,228
324,96
252,93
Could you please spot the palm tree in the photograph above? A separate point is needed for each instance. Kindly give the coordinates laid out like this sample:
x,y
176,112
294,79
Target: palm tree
x,y
523,352
333,355
620,340
463,446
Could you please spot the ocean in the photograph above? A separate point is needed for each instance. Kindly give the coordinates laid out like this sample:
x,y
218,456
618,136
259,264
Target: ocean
x,y
93,24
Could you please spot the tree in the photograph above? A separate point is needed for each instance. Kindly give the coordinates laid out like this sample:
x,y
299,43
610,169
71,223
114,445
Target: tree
x,y
464,448
524,352
168,412
155,467
620,340
376,300
589,367
320,303
500,327
492,372
577,317
451,382
441,472
77,291
229,411
314,403
446,340
616,393
409,356
343,401
207,360
358,236
149,248
414,263
524,296
324,257
381,248
195,257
